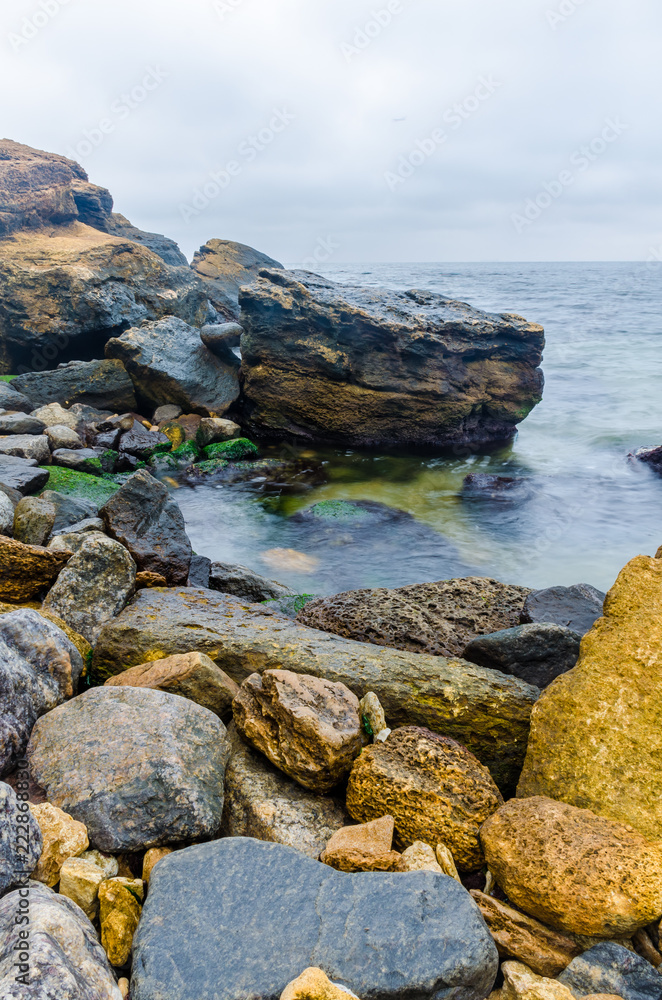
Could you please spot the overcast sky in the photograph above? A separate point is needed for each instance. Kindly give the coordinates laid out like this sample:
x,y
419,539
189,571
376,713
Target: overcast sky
x,y
419,130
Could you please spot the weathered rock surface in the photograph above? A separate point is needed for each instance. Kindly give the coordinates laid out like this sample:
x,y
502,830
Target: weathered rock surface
x,y
34,519
6,514
363,848
536,653
434,788
60,436
610,968
169,364
264,913
80,881
10,399
94,586
307,726
63,838
69,510
190,675
573,870
357,366
419,857
39,669
243,582
86,460
159,780
212,430
120,906
28,446
596,739
54,415
576,608
224,267
520,983
20,839
222,338
486,711
438,618
66,960
22,474
313,984
20,423
146,519
102,384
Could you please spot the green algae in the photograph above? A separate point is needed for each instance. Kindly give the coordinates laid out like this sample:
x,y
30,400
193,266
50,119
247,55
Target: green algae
x,y
236,450
80,484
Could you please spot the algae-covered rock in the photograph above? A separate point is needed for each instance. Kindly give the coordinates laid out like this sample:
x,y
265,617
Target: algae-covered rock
x,y
80,485
233,451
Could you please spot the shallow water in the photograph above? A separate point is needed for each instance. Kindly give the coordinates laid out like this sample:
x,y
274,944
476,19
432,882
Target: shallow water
x,y
589,509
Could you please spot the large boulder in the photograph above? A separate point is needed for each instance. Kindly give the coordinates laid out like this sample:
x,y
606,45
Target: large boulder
x,y
169,364
20,839
39,668
101,384
224,267
609,968
257,914
596,739
140,768
363,366
27,570
486,711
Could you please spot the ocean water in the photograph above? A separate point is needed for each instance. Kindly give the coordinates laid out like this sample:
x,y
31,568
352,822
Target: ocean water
x,y
587,509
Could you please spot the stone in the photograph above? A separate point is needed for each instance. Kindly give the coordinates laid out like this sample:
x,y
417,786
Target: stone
x,y
158,781
521,983
81,644
55,415
150,580
314,984
34,446
446,862
80,881
573,870
238,450
69,510
60,436
152,858
10,399
212,430
643,944
169,364
224,267
105,385
39,668
74,541
120,901
268,912
33,521
481,486
146,519
439,618
80,460
167,412
577,608
140,442
63,838
106,862
590,745
651,456
199,572
353,366
261,802
486,711
518,936
308,727
274,475
20,839
6,515
123,986
190,675
21,474
66,960
90,525
222,339
20,423
610,968
419,857
435,789
536,653
372,715
363,848
243,582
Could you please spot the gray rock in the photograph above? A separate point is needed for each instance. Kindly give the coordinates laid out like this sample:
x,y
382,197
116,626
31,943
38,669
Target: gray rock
x,y
73,541
163,246
89,524
61,436
140,442
213,430
54,415
169,364
81,460
147,770
225,266
39,669
66,960
20,423
93,587
101,384
576,608
610,968
536,653
32,446
165,413
146,519
222,340
33,520
10,399
261,802
651,457
244,582
23,475
69,510
20,840
6,515
199,572
268,912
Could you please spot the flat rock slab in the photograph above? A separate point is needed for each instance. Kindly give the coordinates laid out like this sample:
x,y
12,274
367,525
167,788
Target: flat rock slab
x,y
486,711
102,384
27,570
30,446
22,474
609,968
257,914
577,608
140,768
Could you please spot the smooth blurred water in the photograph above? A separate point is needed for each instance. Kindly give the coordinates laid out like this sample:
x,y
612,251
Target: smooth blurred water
x,y
590,509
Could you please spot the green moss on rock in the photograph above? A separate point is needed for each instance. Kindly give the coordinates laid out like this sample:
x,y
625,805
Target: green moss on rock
x,y
96,488
339,510
187,452
233,451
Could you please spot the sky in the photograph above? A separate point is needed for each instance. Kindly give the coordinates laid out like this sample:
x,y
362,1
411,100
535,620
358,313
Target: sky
x,y
350,131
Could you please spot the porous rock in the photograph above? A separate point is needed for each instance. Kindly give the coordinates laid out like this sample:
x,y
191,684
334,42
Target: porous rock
x,y
190,675
20,840
63,838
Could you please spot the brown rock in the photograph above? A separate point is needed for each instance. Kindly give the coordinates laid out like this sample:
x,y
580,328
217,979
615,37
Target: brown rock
x,y
308,727
152,858
313,984
120,902
63,838
521,983
419,858
147,579
80,881
572,869
446,862
363,848
33,521
436,790
545,951
191,675
26,570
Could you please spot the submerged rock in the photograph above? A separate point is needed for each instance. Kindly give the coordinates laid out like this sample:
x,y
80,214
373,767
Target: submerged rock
x,y
651,457
266,474
502,489
102,384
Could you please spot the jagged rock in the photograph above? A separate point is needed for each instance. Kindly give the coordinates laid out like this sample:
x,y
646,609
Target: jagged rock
x,y
169,364
363,848
20,423
101,384
651,456
536,653
60,436
434,788
190,675
6,515
362,366
70,510
610,968
577,608
80,881
243,582
224,267
63,838
39,668
120,904
10,399
268,912
158,780
520,983
29,446
20,840
483,709
199,572
21,474
152,858
34,519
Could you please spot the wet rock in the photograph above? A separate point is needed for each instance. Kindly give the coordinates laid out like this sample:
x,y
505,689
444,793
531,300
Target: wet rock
x,y
224,267
520,983
140,442
261,802
289,913
238,450
438,618
20,423
32,446
190,675
199,572
536,653
485,710
39,669
363,848
576,608
243,582
20,839
90,525
146,519
169,364
69,510
104,385
308,727
6,515
313,984
66,960
120,903
215,429
159,780
80,881
63,838
10,399
271,475
573,870
610,968
167,412
651,456
591,744
435,789
94,586
503,489
21,474
34,520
